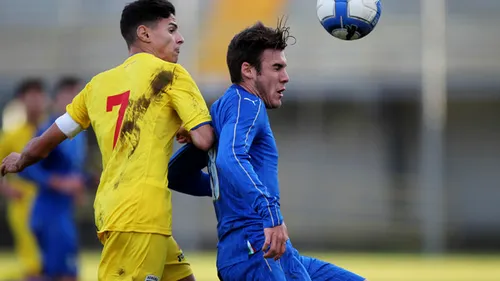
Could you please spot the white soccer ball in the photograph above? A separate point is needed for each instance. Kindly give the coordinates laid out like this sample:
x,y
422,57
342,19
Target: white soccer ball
x,y
349,19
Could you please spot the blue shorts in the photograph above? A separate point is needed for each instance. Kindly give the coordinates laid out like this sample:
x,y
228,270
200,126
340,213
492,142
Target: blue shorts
x,y
58,243
291,266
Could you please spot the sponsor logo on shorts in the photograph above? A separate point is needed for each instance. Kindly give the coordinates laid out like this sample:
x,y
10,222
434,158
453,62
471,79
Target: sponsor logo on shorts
x,y
151,278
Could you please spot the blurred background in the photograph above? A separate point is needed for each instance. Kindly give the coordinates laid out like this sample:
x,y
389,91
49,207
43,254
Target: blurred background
x,y
389,144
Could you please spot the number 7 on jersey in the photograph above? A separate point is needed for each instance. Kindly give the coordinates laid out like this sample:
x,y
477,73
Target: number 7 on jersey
x,y
122,101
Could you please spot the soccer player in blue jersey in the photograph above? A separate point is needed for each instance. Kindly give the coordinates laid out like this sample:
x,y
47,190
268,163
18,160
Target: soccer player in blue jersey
x,y
243,168
60,181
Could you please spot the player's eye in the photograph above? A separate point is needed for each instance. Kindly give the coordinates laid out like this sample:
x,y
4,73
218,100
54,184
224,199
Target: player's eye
x,y
172,29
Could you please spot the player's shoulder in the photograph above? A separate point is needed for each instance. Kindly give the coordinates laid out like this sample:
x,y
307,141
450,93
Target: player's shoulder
x,y
238,102
144,62
181,73
103,75
97,80
156,63
240,96
176,71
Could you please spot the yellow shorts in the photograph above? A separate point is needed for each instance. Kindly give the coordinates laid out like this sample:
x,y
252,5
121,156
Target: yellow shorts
x,y
141,256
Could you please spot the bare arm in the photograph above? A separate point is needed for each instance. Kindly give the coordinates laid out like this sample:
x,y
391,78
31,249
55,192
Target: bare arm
x,y
203,137
37,149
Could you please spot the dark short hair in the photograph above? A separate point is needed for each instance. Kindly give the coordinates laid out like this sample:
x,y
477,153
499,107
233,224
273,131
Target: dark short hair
x,y
66,82
27,85
249,44
143,12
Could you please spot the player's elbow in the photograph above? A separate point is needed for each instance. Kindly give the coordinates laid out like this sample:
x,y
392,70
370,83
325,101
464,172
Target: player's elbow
x,y
204,144
203,137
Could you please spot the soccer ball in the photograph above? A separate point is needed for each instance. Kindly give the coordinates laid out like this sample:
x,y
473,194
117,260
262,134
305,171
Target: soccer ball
x,y
349,19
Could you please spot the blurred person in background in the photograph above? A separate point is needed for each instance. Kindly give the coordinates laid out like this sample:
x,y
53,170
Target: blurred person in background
x,y
20,193
60,179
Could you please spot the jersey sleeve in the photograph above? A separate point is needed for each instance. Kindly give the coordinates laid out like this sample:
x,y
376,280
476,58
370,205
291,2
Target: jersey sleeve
x,y
185,173
77,109
242,125
187,100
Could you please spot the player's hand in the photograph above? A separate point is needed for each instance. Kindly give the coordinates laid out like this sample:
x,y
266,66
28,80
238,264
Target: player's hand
x,y
183,136
10,164
70,185
74,185
275,244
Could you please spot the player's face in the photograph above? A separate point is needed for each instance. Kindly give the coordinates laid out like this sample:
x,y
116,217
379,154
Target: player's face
x,y
166,39
271,80
35,102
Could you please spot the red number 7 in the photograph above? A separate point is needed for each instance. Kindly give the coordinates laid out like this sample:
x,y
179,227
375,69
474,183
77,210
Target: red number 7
x,y
122,101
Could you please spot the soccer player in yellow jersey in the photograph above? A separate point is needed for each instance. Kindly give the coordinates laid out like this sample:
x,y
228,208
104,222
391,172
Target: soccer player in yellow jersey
x,y
135,110
21,193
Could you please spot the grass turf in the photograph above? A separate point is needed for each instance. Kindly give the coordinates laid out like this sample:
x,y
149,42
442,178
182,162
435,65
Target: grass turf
x,y
375,267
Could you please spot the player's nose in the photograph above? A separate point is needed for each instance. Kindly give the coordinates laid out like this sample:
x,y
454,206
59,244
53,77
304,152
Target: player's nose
x,y
180,39
284,77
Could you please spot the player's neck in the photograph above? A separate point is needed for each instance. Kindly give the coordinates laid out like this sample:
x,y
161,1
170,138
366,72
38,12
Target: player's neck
x,y
250,88
136,49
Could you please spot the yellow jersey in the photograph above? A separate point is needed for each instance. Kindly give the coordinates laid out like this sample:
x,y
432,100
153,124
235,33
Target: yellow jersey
x,y
14,141
135,110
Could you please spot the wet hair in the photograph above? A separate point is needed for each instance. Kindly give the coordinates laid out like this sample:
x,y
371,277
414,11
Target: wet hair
x,y
143,12
249,44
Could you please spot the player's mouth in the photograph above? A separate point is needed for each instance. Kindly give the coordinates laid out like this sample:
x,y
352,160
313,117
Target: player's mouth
x,y
280,92
177,50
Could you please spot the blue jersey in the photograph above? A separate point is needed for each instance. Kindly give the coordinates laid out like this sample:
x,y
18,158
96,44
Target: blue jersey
x,y
244,175
66,159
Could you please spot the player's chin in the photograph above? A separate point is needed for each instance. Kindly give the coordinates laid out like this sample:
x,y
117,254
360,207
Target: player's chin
x,y
173,57
276,103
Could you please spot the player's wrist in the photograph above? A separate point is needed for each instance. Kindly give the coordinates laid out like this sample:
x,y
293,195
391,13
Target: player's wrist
x,y
20,162
271,217
26,159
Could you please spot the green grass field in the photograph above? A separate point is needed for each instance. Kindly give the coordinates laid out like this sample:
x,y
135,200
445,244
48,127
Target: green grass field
x,y
376,267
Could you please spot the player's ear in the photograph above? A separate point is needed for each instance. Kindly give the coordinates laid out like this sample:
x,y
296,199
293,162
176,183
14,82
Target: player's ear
x,y
143,34
247,71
